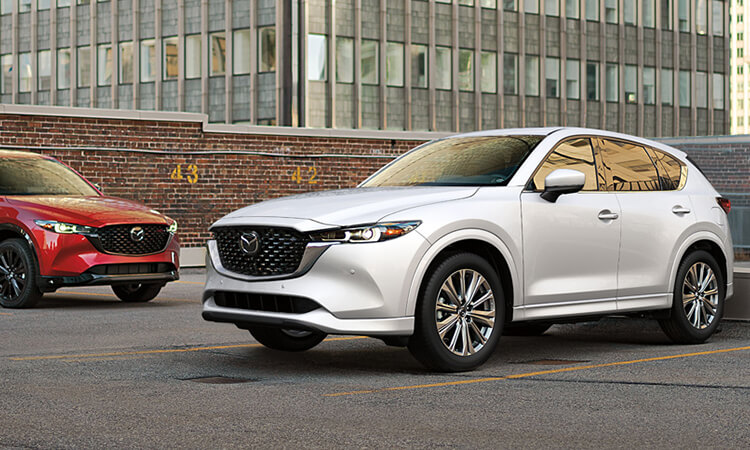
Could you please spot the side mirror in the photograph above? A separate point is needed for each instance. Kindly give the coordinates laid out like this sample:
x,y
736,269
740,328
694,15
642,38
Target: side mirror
x,y
562,181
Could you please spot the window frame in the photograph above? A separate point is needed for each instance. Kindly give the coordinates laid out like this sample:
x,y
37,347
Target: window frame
x,y
530,186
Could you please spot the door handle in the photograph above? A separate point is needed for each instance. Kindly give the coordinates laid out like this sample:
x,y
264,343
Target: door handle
x,y
607,215
680,210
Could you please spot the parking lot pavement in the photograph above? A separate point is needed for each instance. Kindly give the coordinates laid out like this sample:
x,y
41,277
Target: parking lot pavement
x,y
85,370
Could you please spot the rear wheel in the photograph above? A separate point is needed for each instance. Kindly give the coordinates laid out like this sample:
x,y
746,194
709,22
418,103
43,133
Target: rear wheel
x,y
136,293
18,273
698,302
287,340
459,316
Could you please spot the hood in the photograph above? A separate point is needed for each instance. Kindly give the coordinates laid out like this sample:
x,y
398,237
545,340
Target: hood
x,y
350,206
93,211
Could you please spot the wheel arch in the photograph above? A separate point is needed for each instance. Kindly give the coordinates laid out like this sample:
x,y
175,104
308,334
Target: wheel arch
x,y
12,231
482,243
700,241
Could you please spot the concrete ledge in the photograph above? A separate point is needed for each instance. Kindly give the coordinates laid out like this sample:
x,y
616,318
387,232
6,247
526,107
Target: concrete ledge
x,y
192,257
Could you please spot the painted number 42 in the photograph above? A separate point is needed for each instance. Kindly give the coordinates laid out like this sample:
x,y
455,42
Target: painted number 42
x,y
306,175
191,173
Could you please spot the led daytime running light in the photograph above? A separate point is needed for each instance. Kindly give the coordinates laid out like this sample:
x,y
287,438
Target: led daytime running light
x,y
371,233
64,228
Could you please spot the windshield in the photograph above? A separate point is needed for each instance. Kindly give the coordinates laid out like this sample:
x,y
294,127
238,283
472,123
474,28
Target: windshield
x,y
462,161
40,177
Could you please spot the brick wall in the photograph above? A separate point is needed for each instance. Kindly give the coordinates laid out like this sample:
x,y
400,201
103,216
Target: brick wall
x,y
139,158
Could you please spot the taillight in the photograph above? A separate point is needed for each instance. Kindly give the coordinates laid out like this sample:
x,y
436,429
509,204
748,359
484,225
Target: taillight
x,y
725,204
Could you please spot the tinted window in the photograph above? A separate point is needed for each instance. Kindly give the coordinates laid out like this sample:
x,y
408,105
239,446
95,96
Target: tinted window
x,y
40,177
463,161
575,154
670,169
628,167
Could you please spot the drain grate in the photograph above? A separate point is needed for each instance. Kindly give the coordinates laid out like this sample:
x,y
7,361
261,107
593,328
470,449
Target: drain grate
x,y
553,362
219,380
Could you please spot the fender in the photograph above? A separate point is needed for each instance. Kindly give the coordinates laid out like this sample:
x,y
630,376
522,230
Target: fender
x,y
451,238
679,253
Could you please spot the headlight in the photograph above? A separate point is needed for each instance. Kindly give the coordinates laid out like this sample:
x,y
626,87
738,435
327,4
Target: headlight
x,y
370,233
173,227
65,228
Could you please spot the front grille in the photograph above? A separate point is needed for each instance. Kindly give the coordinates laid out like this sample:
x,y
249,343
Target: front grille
x,y
131,269
118,239
265,302
279,253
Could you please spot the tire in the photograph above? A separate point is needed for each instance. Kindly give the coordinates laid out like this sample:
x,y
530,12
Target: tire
x,y
526,329
698,301
287,340
136,293
470,329
18,274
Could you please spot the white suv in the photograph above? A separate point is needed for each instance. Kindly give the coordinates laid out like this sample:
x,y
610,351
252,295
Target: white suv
x,y
466,238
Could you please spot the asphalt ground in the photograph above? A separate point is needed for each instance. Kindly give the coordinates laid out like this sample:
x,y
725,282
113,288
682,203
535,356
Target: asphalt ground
x,y
84,370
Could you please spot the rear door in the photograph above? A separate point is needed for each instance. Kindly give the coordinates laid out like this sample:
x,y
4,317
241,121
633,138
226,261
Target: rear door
x,y
655,213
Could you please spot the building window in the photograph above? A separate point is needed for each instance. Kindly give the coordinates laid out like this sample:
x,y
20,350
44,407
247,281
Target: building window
x,y
683,15
466,69
193,56
6,81
649,85
552,77
462,2
218,57
419,66
24,6
701,16
510,74
491,4
629,12
443,68
740,36
489,72
613,85
126,62
344,59
104,63
369,62
44,64
610,11
701,89
266,49
317,57
571,9
740,70
631,84
170,69
42,4
552,7
572,78
240,52
510,5
394,64
531,72
666,14
740,52
592,10
717,17
63,68
718,88
6,6
84,66
24,72
684,86
148,60
63,3
667,86
649,13
531,6
592,81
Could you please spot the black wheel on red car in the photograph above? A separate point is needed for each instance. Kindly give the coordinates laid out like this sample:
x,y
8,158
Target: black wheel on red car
x,y
18,274
287,340
136,292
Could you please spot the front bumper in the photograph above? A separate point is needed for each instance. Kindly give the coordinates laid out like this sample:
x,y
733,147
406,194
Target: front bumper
x,y
91,278
360,288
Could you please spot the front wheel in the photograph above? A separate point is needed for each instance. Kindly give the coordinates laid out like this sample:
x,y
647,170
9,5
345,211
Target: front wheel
x,y
698,302
18,274
136,293
287,340
459,315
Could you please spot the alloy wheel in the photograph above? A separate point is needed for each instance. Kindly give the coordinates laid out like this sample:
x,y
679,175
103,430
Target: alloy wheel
x,y
13,273
465,312
700,295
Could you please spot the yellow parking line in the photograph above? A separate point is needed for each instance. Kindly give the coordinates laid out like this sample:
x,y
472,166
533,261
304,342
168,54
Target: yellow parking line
x,y
5,314
189,282
156,351
533,374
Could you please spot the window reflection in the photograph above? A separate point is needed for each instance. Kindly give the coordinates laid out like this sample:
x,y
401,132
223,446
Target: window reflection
x,y
576,154
628,166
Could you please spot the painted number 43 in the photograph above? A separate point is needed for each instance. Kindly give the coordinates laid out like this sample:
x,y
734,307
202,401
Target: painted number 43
x,y
191,173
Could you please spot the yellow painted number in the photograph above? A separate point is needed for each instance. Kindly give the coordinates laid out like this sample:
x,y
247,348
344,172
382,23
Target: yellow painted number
x,y
307,175
192,177
191,173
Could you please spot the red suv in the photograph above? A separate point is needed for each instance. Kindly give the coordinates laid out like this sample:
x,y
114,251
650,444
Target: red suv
x,y
57,229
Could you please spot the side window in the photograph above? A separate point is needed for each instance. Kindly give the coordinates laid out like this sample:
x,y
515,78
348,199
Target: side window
x,y
576,154
671,170
628,167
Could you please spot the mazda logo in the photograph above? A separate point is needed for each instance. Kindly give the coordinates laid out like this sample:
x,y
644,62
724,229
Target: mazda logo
x,y
136,234
250,242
